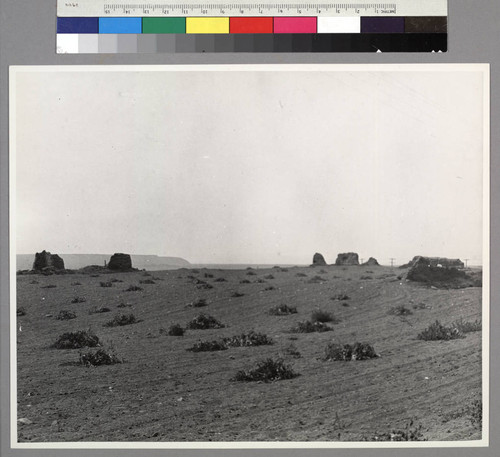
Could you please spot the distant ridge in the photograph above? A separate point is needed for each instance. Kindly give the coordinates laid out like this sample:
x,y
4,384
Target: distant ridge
x,y
75,261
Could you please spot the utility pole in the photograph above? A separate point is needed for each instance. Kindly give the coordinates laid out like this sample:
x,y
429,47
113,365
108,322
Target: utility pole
x,y
466,262
362,260
392,261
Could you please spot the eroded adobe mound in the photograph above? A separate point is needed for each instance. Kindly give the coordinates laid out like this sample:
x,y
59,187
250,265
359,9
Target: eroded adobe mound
x,y
443,278
120,262
434,262
371,262
318,260
46,260
347,258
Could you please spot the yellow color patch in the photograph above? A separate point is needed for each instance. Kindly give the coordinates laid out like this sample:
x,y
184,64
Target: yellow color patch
x,y
207,25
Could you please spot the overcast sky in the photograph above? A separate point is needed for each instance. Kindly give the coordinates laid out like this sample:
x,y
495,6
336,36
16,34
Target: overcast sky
x,y
250,166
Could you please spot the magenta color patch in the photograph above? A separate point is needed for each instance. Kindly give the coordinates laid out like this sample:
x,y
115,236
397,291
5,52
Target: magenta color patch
x,y
295,25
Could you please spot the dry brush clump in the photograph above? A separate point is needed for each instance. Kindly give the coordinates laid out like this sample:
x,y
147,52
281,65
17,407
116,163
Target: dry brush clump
x,y
237,294
310,327
100,357
400,310
65,315
410,433
220,280
248,339
245,281
133,288
175,330
146,281
77,340
268,370
324,316
79,300
121,319
101,309
208,346
203,322
467,327
348,352
199,303
438,331
21,311
282,310
340,297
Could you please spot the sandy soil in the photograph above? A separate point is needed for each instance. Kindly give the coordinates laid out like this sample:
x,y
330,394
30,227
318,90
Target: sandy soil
x,y
165,393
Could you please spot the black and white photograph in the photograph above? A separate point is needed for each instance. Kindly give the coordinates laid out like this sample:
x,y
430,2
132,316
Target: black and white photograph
x,y
249,256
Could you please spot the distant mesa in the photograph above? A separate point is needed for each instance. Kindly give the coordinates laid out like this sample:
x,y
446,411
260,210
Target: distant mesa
x,y
46,261
371,262
120,262
440,262
347,258
318,260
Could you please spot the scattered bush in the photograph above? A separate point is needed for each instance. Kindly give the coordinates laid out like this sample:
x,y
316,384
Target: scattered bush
x,y
96,310
323,316
76,283
220,280
146,281
106,284
270,288
310,327
133,288
77,340
49,286
175,330
244,281
205,346
267,371
260,281
292,351
248,339
208,275
116,280
475,413
251,273
316,279
400,310
205,286
467,327
146,274
410,433
123,305
283,270
419,306
201,302
202,322
438,331
65,315
340,297
237,294
365,277
195,271
121,319
301,275
269,277
79,300
282,310
100,357
323,272
346,352
94,276
21,311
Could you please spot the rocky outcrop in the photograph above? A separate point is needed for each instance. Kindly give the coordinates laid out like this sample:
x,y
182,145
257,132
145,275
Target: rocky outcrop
x,y
371,262
120,262
45,260
318,260
440,262
347,258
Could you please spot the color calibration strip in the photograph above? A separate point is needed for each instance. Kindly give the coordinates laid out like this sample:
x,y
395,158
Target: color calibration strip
x,y
84,35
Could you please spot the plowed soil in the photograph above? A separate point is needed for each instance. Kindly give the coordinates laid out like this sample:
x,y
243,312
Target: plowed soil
x,y
163,392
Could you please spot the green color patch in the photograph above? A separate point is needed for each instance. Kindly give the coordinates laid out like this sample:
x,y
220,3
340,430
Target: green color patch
x,y
163,25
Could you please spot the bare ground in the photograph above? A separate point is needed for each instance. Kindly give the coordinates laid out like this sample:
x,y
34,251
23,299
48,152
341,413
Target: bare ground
x,y
165,393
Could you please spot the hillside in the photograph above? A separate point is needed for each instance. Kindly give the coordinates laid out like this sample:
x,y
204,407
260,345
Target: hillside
x,y
164,392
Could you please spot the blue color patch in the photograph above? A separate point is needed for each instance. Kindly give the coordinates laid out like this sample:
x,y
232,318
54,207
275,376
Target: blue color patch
x,y
120,25
77,25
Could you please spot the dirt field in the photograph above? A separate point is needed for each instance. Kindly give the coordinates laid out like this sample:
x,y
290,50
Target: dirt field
x,y
162,392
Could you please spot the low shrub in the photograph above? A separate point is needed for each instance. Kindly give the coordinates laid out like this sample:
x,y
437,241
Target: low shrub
x,y
77,340
301,275
410,433
310,327
76,283
237,294
206,346
175,330
101,309
244,281
204,286
121,319
123,305
79,300
100,357
283,270
220,280
260,281
282,310
116,280
419,306
203,322
21,311
266,371
208,275
323,316
365,277
248,339
292,351
347,352
438,331
467,327
340,297
400,310
316,279
38,282
251,273
65,315
106,284
269,277
133,288
270,288
146,281
200,303
49,286
146,274
475,413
